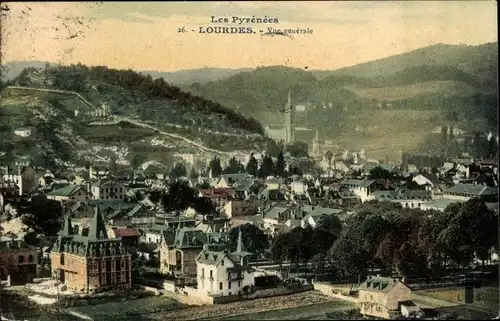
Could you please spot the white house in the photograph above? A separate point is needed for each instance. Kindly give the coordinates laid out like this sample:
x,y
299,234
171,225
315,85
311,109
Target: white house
x,y
23,132
299,187
361,188
220,273
108,190
426,179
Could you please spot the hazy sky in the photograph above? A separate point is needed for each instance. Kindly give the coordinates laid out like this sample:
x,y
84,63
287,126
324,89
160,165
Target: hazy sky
x,y
143,36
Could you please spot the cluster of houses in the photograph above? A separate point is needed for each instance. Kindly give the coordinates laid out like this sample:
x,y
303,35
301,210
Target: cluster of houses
x,y
105,225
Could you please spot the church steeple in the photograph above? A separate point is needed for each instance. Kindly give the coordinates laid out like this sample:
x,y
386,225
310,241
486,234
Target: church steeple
x,y
289,100
97,229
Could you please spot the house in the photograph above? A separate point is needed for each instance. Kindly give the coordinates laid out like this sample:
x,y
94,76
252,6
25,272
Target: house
x,y
299,187
314,213
381,297
439,204
273,183
98,173
277,214
129,235
465,192
218,196
228,180
137,215
69,192
23,176
23,132
147,251
409,309
406,197
220,273
426,179
361,188
180,257
91,261
107,190
18,261
242,207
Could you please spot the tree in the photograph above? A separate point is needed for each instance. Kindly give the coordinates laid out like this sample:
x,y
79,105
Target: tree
x,y
112,163
267,167
234,166
255,240
193,174
379,173
181,196
329,156
138,160
215,167
280,165
178,171
297,149
252,166
43,215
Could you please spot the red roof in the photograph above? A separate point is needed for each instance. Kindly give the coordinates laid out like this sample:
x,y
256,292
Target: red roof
x,y
218,192
126,232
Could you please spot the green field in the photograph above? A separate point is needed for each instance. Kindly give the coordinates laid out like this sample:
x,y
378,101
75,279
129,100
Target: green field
x,y
116,133
307,312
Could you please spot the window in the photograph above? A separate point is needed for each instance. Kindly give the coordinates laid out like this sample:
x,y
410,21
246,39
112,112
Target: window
x,y
61,259
103,279
211,274
95,266
113,278
20,259
229,285
239,283
123,278
123,264
202,273
31,258
222,262
103,266
220,286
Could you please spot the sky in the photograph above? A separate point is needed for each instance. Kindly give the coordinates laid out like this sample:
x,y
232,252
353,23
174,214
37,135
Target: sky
x,y
144,36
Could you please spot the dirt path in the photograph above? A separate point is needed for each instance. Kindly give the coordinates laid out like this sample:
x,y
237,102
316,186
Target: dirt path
x,y
242,307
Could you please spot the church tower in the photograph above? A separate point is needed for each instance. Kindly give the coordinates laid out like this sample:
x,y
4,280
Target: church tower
x,y
289,120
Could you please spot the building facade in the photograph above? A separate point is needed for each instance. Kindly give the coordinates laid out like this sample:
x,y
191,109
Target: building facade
x,y
220,273
90,262
108,190
17,260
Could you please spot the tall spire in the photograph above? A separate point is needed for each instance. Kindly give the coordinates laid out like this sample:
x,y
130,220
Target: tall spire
x,y
289,101
316,136
67,228
97,229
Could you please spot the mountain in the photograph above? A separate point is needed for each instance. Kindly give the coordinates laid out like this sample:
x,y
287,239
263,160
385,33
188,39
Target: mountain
x,y
68,110
477,61
447,83
187,77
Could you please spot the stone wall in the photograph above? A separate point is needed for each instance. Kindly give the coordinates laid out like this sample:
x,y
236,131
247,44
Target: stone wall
x,y
331,291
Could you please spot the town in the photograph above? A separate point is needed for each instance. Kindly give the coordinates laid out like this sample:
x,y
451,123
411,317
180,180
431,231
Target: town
x,y
355,229
157,163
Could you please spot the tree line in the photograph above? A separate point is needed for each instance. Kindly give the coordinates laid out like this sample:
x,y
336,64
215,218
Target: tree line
x,y
386,236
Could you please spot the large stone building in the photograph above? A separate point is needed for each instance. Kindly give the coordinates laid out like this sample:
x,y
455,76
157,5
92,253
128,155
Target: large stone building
x,y
91,261
107,190
17,260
